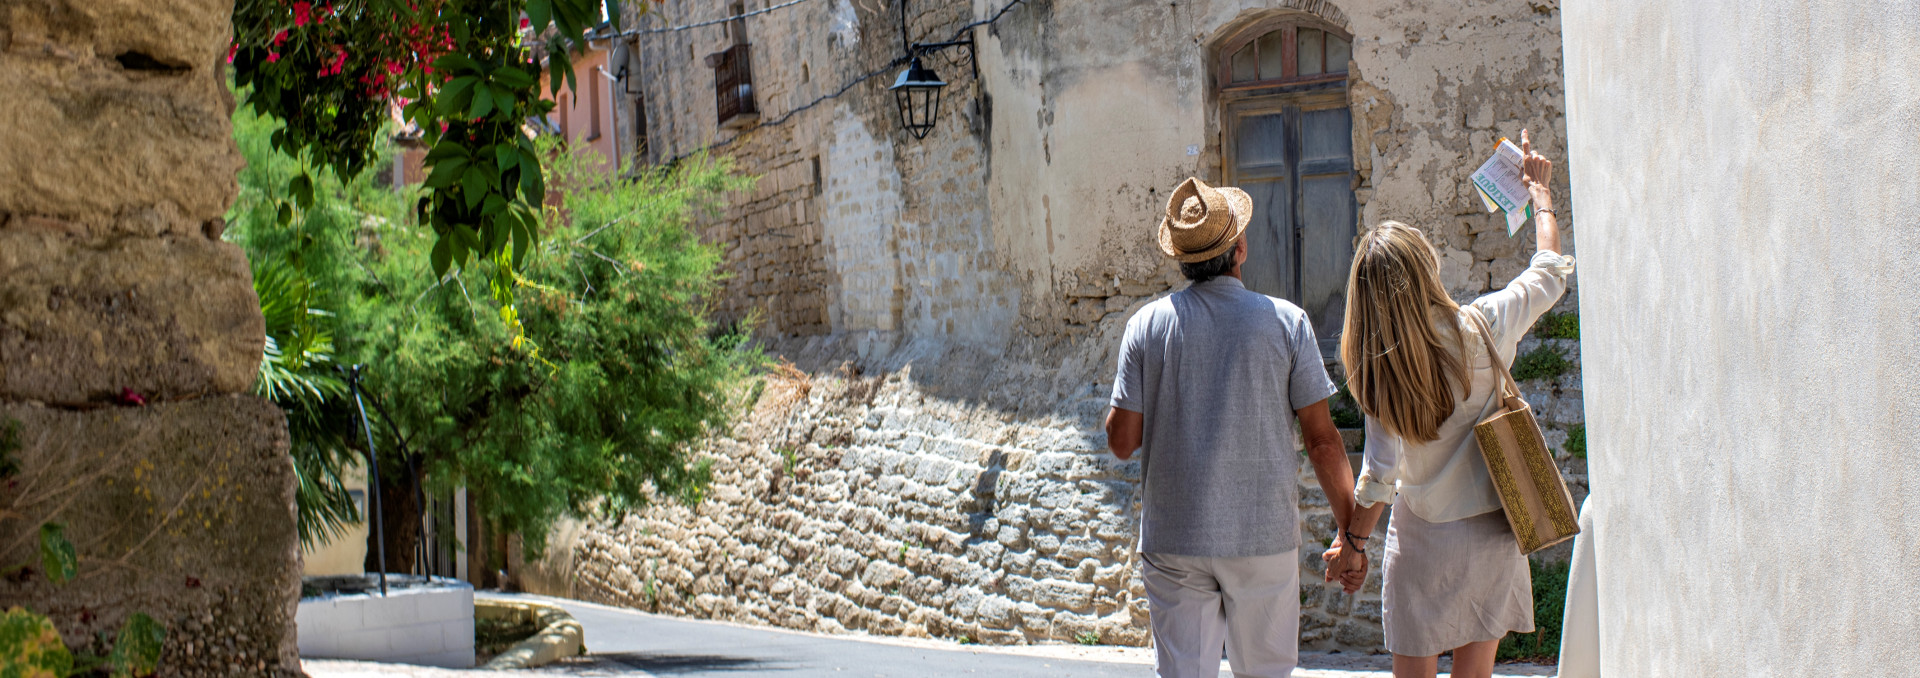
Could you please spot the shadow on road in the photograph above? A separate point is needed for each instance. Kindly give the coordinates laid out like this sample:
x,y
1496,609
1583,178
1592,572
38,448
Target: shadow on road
x,y
663,663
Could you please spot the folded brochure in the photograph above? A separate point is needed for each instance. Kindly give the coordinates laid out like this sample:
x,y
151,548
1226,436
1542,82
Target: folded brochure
x,y
1501,187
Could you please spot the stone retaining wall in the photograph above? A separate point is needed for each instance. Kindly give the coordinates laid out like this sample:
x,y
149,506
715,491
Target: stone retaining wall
x,y
931,496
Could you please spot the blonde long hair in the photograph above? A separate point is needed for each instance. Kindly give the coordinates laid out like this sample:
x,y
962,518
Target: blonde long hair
x,y
1399,369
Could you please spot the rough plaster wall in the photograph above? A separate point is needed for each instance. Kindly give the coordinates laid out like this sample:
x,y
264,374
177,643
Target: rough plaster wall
x,y
1746,180
862,204
116,164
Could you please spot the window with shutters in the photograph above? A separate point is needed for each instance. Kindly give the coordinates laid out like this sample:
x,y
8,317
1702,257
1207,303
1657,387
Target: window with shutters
x,y
733,76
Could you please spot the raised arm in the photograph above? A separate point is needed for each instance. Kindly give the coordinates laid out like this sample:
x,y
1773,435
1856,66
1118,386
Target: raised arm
x,y
1537,171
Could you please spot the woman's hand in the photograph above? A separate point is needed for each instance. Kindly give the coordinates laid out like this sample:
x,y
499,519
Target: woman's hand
x,y
1537,171
1346,565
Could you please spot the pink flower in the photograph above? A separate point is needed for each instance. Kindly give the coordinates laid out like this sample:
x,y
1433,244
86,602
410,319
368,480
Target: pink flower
x,y
525,22
232,50
272,57
279,38
300,12
129,397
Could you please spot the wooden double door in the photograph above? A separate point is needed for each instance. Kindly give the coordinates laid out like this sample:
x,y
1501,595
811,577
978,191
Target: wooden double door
x,y
1293,153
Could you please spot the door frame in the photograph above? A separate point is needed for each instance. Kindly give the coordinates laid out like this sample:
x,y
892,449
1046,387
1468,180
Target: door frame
x,y
1289,104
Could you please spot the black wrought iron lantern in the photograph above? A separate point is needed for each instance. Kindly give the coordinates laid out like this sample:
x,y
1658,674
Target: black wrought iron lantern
x,y
917,91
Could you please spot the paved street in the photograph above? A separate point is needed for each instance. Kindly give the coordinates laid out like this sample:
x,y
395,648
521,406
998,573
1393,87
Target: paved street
x,y
628,643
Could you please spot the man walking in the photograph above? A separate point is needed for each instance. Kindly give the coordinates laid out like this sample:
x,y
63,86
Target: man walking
x,y
1210,378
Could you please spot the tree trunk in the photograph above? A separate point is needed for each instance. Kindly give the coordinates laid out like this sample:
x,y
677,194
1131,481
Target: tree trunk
x,y
400,510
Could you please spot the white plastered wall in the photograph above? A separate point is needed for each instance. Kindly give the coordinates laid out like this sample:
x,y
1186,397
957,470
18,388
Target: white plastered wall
x,y
1750,302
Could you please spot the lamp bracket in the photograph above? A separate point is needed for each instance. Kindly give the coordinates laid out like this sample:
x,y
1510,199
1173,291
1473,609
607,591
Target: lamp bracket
x,y
919,48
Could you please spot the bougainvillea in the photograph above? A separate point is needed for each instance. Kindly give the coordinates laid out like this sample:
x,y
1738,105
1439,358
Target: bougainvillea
x,y
461,72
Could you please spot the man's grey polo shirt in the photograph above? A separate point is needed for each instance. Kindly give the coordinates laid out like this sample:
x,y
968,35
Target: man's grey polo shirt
x,y
1217,372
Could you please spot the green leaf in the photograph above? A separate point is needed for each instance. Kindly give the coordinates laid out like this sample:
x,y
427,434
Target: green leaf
x,y
456,96
482,102
522,238
285,215
491,172
446,172
613,13
539,14
558,65
137,652
441,257
301,188
30,646
507,156
503,98
514,77
566,18
447,148
56,553
494,205
468,238
455,63
533,188
474,184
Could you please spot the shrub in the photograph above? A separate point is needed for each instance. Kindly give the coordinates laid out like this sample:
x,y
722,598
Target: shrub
x,y
1544,362
579,389
1576,441
1558,326
1549,607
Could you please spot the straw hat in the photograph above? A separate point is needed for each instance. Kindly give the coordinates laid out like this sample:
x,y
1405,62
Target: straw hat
x,y
1202,221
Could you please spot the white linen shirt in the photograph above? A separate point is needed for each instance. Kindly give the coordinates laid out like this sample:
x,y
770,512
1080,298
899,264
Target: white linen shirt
x,y
1445,479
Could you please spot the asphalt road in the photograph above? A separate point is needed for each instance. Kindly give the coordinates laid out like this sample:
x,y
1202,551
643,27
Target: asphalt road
x,y
672,646
627,643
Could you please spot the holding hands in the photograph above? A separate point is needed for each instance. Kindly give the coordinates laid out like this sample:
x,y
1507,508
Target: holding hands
x,y
1346,564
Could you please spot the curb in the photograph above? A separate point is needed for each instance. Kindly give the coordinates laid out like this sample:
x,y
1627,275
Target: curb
x,y
560,634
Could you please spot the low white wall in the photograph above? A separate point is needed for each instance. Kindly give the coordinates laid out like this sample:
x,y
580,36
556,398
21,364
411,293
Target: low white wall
x,y
1750,261
427,626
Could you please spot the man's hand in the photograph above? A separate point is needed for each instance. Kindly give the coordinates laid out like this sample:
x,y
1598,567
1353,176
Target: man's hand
x,y
1346,565
1537,171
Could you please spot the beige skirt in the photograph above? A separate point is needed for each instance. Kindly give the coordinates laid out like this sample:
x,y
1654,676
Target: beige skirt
x,y
1450,584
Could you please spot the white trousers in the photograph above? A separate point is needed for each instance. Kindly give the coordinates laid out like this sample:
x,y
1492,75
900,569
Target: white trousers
x,y
1251,606
1580,629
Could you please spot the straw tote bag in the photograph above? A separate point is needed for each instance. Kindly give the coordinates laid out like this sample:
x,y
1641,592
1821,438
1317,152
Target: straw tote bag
x,y
1539,508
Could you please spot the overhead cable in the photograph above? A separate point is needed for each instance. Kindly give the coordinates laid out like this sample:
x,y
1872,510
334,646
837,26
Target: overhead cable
x,y
877,72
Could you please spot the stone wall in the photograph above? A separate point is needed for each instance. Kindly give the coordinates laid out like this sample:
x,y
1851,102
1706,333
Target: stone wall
x,y
887,502
129,336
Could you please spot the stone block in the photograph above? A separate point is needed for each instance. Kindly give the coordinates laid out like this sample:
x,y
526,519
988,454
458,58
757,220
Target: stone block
x,y
81,319
118,115
186,514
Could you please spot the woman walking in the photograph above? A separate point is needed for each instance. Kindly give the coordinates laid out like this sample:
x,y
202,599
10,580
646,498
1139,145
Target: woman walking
x,y
1418,365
